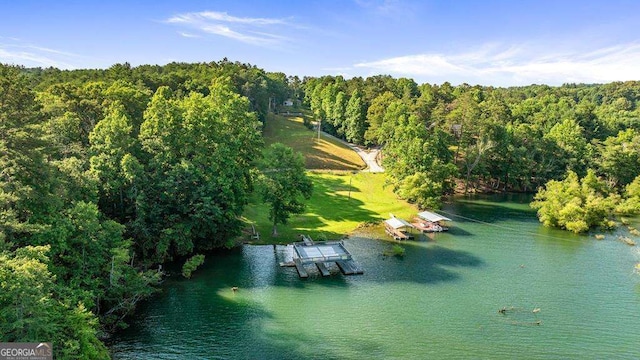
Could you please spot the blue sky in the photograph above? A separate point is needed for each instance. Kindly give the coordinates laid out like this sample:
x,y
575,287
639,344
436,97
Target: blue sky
x,y
500,43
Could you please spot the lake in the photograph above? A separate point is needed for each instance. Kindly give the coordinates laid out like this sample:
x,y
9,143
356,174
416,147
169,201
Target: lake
x,y
441,300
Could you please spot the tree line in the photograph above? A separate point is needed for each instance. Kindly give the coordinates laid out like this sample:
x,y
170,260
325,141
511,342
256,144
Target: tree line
x,y
104,174
438,138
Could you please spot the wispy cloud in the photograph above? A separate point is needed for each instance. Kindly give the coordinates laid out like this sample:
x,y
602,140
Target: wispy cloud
x,y
495,64
389,8
254,31
15,51
188,35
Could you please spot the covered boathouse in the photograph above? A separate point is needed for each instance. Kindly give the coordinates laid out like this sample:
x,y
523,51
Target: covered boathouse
x,y
398,228
427,221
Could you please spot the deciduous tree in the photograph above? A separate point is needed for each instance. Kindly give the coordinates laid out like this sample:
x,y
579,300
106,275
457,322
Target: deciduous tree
x,y
200,151
355,125
574,204
284,183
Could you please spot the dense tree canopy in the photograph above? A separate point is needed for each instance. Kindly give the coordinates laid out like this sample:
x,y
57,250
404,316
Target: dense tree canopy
x,y
490,139
104,174
196,181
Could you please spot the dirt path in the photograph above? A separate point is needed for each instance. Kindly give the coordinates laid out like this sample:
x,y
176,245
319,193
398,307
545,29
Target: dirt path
x,y
368,156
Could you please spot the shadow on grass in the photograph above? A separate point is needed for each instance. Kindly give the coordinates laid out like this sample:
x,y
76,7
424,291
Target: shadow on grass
x,y
332,202
330,155
324,160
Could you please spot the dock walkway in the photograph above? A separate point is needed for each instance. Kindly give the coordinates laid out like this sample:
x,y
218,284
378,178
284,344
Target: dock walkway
x,y
396,233
302,272
349,267
320,254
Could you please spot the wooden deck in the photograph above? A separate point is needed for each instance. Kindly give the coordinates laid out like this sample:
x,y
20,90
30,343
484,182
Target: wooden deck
x,y
320,254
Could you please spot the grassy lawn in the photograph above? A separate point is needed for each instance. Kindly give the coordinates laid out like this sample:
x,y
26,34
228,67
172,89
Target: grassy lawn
x,y
343,198
326,154
341,202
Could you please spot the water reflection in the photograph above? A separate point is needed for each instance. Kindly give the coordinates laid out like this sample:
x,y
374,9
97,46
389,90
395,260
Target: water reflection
x,y
439,300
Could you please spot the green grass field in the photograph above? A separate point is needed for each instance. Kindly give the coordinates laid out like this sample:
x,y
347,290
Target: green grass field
x,y
326,154
341,202
343,199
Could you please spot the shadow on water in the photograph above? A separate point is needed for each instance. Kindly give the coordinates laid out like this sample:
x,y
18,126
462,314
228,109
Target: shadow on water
x,y
453,230
489,213
204,318
400,302
477,209
189,313
205,309
421,263
503,198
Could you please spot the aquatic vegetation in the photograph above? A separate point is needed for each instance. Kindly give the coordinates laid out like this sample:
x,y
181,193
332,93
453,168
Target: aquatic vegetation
x,y
395,250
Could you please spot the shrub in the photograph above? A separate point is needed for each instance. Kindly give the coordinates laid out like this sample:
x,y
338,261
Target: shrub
x,y
395,250
191,265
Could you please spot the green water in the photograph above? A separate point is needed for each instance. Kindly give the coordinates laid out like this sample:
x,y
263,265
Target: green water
x,y
440,301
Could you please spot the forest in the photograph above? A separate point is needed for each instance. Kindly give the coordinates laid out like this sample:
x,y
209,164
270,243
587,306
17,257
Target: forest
x,y
107,174
578,144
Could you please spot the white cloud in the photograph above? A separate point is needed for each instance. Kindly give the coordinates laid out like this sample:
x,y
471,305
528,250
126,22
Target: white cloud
x,y
390,8
425,64
493,64
255,31
188,35
18,53
223,16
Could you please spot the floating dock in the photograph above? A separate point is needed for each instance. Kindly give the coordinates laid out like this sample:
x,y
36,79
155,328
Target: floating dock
x,y
320,254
